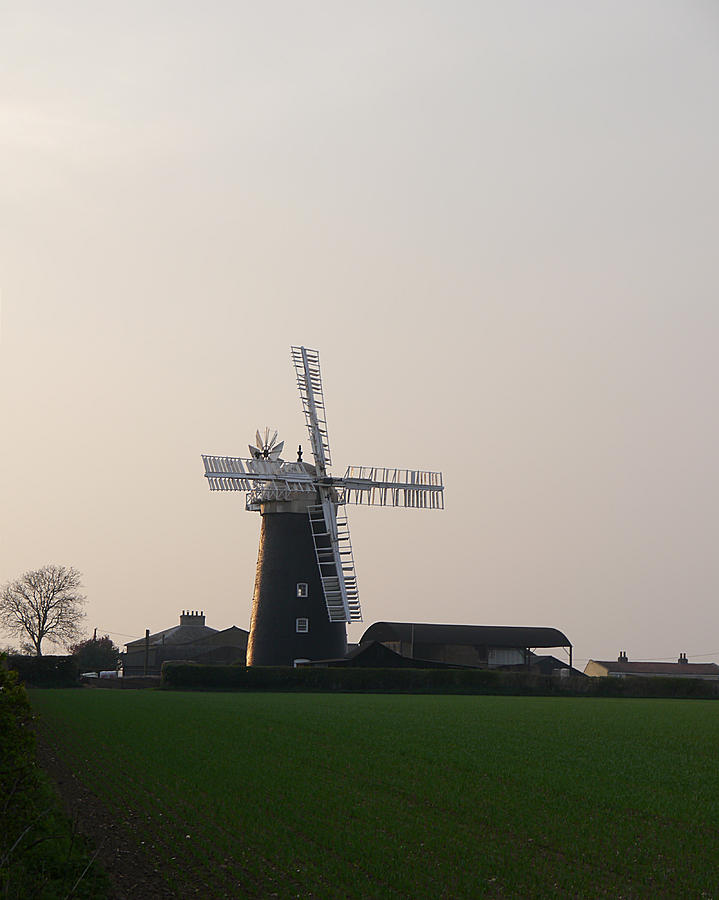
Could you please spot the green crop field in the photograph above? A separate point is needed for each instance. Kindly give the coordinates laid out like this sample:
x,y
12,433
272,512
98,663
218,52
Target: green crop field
x,y
341,795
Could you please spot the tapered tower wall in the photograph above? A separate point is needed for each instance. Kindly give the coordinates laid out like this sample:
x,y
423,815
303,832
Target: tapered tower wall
x,y
285,560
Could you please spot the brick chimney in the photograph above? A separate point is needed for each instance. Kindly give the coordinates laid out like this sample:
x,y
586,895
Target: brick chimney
x,y
192,617
622,656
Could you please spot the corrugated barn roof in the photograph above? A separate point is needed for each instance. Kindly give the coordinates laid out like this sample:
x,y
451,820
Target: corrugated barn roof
x,y
473,635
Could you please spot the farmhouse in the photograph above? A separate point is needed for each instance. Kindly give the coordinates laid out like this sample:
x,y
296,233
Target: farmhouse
x,y
624,668
482,646
190,640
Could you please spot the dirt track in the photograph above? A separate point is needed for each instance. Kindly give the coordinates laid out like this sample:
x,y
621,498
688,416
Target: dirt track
x,y
127,864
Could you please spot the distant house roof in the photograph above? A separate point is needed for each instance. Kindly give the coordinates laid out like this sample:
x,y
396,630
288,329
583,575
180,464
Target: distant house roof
x,y
191,639
191,628
683,669
489,635
232,636
178,634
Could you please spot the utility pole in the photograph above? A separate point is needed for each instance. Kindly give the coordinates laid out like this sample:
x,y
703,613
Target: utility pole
x,y
147,648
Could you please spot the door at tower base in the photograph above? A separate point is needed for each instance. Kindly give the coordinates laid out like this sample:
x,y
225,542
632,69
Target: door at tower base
x,y
289,616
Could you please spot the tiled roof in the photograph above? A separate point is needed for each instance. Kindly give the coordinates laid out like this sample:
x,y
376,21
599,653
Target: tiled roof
x,y
658,668
178,634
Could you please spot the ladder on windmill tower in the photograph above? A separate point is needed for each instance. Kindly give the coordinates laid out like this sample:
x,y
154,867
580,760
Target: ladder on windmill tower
x,y
267,478
336,565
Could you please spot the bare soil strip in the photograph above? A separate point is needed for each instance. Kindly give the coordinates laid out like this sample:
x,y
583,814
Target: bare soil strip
x,y
129,869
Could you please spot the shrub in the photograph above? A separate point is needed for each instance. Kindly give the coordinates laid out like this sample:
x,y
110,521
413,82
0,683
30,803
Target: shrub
x,y
193,676
16,738
96,654
45,671
40,856
304,678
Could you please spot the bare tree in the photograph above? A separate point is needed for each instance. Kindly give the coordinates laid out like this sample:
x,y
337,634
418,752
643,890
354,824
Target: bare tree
x,y
45,603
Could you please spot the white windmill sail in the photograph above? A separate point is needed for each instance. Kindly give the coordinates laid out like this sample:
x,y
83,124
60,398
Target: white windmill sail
x,y
265,479
376,486
309,382
330,533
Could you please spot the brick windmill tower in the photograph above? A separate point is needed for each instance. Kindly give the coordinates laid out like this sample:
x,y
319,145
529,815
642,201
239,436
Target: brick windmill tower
x,y
305,586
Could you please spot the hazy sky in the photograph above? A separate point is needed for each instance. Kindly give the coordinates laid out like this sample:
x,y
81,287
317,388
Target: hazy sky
x,y
497,221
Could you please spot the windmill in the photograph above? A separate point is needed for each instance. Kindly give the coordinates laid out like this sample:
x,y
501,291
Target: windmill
x,y
305,585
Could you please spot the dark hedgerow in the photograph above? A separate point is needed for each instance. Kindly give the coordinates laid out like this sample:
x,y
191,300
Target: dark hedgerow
x,y
45,671
191,676
40,856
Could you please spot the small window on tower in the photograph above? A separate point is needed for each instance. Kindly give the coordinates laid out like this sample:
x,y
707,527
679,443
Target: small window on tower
x,y
302,626
301,589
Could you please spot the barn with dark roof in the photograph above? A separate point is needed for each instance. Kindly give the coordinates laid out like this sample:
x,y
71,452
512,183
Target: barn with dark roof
x,y
482,646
